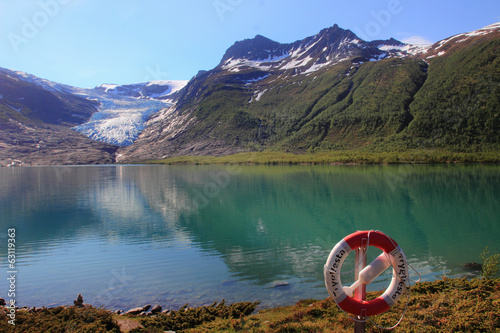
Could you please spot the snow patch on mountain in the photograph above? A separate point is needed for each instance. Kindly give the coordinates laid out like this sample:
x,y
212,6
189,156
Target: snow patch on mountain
x,y
108,87
298,63
235,65
465,36
379,57
403,49
317,67
257,95
257,79
13,108
171,88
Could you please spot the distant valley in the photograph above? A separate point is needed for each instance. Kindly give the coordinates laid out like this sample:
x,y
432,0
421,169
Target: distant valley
x,y
43,122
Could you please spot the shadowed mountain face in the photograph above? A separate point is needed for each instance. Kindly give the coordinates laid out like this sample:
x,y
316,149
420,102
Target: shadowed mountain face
x,y
335,91
27,101
36,117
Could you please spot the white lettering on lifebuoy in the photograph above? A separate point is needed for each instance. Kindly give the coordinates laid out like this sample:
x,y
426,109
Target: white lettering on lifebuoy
x,y
401,276
335,282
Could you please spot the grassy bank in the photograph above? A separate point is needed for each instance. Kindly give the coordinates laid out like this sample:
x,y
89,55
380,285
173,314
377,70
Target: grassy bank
x,y
447,305
339,157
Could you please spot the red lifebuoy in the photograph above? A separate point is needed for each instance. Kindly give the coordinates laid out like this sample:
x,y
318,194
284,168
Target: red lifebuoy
x,y
395,256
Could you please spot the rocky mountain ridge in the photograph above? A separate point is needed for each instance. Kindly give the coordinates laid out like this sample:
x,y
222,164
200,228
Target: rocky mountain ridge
x,y
329,47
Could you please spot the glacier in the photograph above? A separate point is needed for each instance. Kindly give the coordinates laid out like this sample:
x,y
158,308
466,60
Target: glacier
x,y
123,109
121,116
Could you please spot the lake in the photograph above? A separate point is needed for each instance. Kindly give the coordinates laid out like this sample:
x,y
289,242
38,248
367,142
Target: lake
x,y
126,236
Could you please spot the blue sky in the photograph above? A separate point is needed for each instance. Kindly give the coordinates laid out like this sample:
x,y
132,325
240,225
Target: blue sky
x,y
88,42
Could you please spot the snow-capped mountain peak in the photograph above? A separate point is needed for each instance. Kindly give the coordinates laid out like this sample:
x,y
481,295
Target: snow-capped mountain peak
x,y
329,47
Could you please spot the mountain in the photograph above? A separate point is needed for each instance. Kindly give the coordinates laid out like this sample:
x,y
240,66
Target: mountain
x,y
459,104
334,91
330,47
328,91
26,99
40,119
36,117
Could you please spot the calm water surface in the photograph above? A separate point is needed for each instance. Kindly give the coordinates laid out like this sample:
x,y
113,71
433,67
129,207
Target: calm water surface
x,y
124,236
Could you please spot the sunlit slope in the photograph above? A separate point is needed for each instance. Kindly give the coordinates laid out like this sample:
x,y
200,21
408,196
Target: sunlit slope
x,y
348,94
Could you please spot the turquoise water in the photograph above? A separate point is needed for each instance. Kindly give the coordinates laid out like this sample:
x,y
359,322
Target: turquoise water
x,y
124,236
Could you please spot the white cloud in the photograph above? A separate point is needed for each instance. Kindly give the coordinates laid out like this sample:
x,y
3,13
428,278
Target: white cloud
x,y
418,40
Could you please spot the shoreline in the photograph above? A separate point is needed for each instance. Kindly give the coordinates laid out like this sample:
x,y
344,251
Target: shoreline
x,y
446,305
334,157
349,157
472,267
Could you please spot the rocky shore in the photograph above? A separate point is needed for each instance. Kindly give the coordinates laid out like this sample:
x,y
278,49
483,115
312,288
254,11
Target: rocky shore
x,y
146,310
91,319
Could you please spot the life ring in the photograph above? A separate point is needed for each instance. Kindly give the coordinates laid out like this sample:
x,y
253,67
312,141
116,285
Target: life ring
x,y
395,256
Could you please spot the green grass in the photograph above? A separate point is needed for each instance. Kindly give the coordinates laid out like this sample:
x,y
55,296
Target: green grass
x,y
61,319
446,305
339,157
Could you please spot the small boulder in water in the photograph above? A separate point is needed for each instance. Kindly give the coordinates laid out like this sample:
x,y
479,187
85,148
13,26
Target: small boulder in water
x,y
135,311
473,266
277,284
156,309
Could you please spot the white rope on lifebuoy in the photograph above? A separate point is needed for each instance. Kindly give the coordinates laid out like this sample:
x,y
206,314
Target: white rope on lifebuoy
x,y
393,255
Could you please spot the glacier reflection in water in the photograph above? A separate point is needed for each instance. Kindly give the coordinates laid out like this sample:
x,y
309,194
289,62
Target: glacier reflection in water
x,y
124,236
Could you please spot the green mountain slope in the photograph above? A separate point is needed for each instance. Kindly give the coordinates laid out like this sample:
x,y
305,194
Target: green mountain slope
x,y
444,97
459,104
371,101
